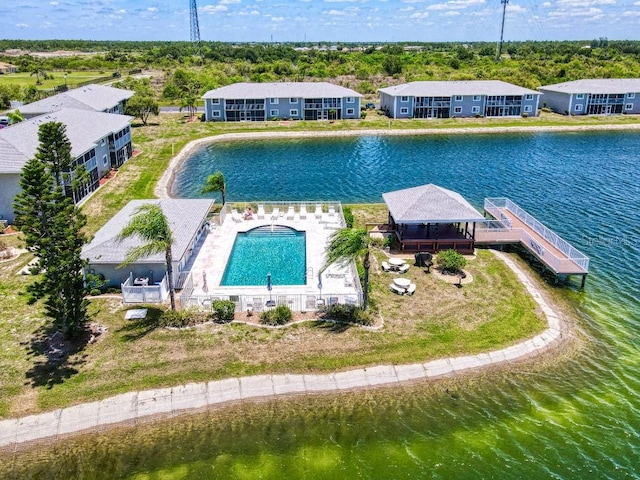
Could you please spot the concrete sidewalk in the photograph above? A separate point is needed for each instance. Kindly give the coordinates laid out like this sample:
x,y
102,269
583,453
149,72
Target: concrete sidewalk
x,y
136,407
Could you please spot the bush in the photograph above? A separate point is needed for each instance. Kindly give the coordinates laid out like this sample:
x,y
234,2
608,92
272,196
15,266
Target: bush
x,y
348,313
348,216
176,318
451,261
223,310
280,315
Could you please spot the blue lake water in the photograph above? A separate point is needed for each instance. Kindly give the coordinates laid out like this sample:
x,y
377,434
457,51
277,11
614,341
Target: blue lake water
x,y
279,252
577,417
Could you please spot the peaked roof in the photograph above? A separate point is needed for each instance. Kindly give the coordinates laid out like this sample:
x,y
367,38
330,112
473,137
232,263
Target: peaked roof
x,y
185,217
596,85
430,204
462,87
19,142
281,90
90,97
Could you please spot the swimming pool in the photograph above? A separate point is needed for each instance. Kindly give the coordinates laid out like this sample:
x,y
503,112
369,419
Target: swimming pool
x,y
278,250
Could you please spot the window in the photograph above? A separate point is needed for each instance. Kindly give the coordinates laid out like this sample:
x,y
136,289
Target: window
x,y
457,110
527,108
578,108
349,111
215,101
293,100
404,99
476,98
628,106
404,110
105,161
215,114
474,109
631,95
273,101
350,99
273,112
458,98
528,96
293,112
580,96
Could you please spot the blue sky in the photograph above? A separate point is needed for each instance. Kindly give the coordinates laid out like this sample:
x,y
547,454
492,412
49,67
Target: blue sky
x,y
321,20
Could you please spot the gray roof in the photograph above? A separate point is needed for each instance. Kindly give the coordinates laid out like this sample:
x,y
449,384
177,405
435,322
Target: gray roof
x,y
596,85
90,97
19,142
449,88
430,204
281,90
185,217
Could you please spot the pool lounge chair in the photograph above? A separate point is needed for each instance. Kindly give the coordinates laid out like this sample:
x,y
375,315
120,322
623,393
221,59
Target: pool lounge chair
x,y
332,211
291,213
303,212
260,212
235,216
275,213
318,212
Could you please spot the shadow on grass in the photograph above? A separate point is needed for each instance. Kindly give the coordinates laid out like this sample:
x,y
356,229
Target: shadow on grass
x,y
332,326
138,328
52,354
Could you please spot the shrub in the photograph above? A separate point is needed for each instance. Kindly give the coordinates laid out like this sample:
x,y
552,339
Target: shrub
x,y
348,216
176,318
348,313
280,315
223,310
451,261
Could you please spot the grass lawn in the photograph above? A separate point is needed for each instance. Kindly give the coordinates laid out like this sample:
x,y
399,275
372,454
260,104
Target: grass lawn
x,y
439,320
25,79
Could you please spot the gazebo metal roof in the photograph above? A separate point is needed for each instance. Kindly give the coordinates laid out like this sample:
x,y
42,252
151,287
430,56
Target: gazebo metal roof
x,y
430,204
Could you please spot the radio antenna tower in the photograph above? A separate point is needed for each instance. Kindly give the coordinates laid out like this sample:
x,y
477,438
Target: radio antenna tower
x,y
195,28
504,13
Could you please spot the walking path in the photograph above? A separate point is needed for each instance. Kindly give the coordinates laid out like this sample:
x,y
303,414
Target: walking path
x,y
137,407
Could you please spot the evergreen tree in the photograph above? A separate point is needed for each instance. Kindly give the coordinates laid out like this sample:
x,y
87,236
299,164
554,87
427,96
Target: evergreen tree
x,y
52,226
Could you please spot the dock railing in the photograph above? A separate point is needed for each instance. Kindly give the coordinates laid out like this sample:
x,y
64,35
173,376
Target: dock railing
x,y
493,205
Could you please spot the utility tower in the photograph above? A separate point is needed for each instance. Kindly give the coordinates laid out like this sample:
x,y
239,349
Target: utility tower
x,y
195,28
504,14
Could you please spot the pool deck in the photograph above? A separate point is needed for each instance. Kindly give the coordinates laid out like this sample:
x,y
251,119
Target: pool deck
x,y
214,252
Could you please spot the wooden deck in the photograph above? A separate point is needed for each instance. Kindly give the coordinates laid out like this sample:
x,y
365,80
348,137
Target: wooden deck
x,y
514,225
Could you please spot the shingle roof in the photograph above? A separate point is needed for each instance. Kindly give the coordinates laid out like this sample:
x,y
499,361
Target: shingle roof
x,y
19,142
281,90
430,204
449,88
596,85
91,97
185,217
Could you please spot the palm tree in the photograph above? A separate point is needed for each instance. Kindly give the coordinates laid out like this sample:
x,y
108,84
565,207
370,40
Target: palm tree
x,y
151,225
38,71
215,183
188,102
349,244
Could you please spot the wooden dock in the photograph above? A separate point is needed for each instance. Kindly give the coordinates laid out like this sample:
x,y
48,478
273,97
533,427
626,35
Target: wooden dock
x,y
511,224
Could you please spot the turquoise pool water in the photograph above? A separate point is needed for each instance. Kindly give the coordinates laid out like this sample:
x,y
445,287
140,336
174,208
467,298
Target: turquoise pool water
x,y
575,416
278,250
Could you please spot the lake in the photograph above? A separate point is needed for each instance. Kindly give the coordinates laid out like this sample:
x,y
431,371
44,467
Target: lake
x,y
575,415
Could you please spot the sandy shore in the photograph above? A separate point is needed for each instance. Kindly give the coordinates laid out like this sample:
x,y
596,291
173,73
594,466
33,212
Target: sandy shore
x,y
163,187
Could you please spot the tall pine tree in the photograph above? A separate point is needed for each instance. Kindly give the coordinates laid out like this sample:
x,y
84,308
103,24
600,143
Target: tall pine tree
x,y
52,225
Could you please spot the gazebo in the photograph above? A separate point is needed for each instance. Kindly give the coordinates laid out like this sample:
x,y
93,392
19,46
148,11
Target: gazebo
x,y
430,218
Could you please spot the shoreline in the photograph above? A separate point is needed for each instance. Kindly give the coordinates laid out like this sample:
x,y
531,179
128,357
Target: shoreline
x,y
144,406
163,186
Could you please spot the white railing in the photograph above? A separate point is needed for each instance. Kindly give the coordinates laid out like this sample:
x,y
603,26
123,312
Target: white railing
x,y
492,206
144,293
333,219
259,303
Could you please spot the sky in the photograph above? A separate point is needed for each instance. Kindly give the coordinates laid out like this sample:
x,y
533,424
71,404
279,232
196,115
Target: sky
x,y
321,20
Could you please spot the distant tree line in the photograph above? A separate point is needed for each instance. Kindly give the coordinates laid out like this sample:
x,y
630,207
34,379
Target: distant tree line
x,y
363,67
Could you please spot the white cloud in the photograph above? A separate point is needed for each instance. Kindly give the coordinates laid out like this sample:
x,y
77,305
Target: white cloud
x,y
229,2
630,13
22,25
335,12
420,15
152,9
211,9
277,19
54,3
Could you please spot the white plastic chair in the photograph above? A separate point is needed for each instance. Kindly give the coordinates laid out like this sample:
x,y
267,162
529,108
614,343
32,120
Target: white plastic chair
x,y
235,216
318,211
260,212
275,213
303,212
291,212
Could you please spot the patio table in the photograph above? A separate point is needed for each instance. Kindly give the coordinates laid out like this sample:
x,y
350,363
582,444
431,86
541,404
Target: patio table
x,y
396,262
402,282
